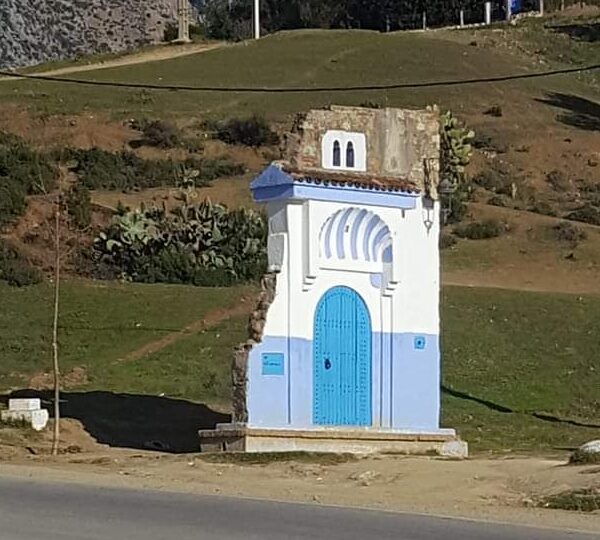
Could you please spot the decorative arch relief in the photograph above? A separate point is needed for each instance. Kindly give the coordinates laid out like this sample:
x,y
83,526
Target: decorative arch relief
x,y
354,234
354,239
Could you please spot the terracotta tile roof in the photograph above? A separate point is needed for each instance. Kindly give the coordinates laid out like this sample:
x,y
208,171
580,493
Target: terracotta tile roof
x,y
359,180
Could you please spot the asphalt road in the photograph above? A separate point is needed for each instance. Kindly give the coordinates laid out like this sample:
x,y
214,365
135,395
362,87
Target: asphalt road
x,y
32,510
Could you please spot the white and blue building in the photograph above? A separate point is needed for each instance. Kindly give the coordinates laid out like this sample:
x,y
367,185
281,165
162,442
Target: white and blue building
x,y
349,357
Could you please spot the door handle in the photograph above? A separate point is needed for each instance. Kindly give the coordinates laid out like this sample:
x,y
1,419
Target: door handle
x,y
327,364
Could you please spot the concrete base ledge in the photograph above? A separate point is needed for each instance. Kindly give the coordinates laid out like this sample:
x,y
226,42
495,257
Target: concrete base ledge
x,y
240,438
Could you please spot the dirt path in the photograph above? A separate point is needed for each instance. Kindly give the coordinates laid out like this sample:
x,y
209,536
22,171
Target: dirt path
x,y
485,489
152,55
211,319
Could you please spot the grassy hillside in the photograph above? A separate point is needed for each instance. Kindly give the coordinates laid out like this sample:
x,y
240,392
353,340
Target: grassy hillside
x,y
306,59
508,356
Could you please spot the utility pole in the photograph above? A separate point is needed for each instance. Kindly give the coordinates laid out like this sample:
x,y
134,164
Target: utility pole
x,y
183,21
256,19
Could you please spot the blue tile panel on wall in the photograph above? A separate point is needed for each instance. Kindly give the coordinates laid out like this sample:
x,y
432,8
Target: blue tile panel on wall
x,y
405,386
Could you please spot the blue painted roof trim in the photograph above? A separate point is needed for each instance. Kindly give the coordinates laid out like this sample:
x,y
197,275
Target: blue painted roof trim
x,y
275,184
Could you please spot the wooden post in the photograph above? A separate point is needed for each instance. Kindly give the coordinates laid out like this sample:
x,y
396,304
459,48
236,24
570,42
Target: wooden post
x,y
424,20
488,13
462,17
542,8
55,363
508,10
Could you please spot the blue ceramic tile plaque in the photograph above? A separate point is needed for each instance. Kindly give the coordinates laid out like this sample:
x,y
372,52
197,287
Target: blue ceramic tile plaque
x,y
420,343
272,364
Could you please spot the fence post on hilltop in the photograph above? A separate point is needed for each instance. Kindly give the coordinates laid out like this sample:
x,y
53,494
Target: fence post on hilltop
x,y
508,10
256,19
424,20
541,8
488,13
462,17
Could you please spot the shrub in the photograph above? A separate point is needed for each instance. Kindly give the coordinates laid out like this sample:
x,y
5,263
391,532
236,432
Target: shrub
x,y
369,104
500,200
588,213
566,231
544,208
559,181
158,133
480,230
447,241
79,206
482,142
171,32
23,171
495,180
98,169
457,202
253,131
15,269
495,110
201,244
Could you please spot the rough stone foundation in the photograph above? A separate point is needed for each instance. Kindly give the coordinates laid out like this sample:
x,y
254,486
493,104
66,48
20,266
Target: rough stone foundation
x,y
256,326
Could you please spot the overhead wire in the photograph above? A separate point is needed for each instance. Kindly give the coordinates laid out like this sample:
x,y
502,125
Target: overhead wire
x,y
304,89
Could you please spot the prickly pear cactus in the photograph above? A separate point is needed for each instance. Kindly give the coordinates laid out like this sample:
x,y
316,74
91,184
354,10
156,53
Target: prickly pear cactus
x,y
457,148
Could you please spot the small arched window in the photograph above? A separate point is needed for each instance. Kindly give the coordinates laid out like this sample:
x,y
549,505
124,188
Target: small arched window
x,y
337,154
350,155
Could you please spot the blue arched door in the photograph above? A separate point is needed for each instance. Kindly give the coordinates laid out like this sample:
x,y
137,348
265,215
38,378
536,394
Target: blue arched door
x,y
342,360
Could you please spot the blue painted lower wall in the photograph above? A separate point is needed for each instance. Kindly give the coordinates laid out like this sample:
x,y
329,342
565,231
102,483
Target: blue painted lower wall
x,y
405,379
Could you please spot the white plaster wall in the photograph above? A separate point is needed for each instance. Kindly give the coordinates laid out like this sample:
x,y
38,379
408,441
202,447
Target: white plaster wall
x,y
413,305
405,382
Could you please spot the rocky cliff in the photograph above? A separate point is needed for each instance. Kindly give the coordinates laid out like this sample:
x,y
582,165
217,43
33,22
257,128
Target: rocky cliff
x,y
34,31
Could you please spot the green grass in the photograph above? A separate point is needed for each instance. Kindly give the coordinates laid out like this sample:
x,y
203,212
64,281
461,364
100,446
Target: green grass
x,y
102,323
507,356
581,500
530,353
197,368
302,58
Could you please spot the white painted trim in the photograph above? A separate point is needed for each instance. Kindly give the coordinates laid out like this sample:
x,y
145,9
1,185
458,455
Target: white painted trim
x,y
359,141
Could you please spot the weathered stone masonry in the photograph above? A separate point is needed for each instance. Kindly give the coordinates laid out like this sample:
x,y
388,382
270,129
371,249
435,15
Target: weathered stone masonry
x,y
34,31
256,326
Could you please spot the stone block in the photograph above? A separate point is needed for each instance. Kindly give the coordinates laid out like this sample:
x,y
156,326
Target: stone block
x,y
31,404
455,449
37,419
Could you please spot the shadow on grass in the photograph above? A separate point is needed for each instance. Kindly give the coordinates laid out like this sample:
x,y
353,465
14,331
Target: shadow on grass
x,y
582,113
588,32
135,421
507,410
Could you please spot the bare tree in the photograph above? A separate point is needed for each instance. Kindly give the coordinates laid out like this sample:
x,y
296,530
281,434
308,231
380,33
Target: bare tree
x,y
55,362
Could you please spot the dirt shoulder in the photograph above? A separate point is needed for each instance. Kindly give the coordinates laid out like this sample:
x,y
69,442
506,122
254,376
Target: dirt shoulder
x,y
484,489
155,54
